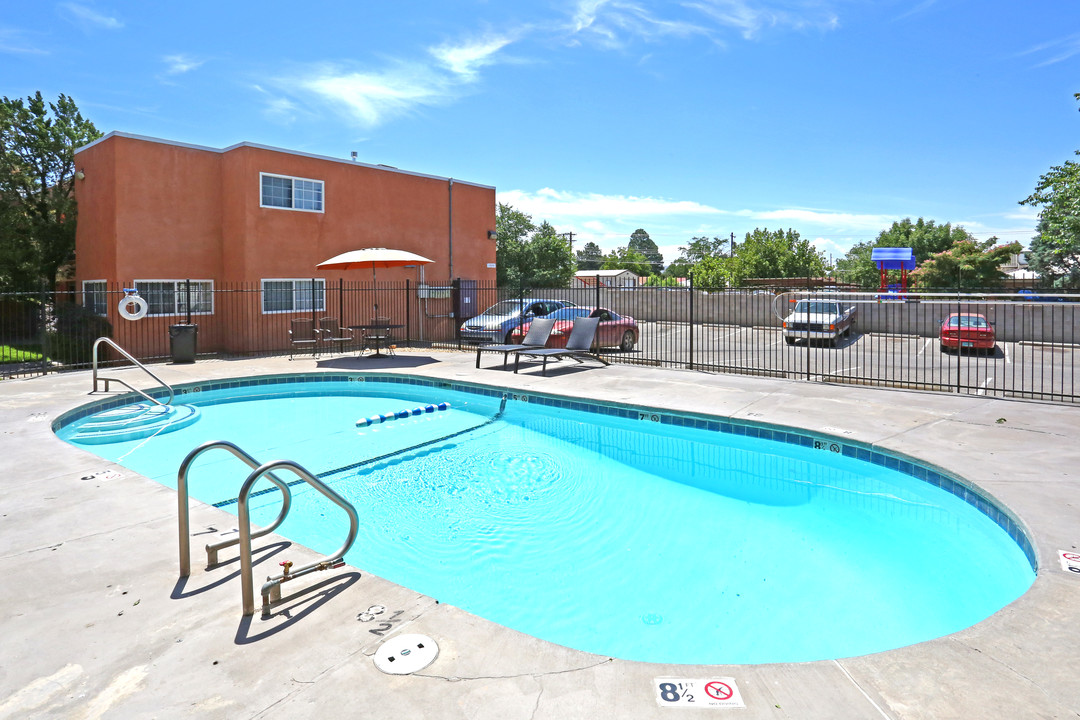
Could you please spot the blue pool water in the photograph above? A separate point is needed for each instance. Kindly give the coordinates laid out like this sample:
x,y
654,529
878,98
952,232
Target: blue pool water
x,y
630,535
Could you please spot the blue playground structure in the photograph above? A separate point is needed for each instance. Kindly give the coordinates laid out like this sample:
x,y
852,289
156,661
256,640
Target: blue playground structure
x,y
893,258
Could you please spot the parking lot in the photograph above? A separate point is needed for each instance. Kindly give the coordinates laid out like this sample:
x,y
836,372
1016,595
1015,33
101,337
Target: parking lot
x,y
1044,371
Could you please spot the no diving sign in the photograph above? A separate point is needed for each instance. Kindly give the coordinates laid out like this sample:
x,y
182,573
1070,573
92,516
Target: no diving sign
x,y
1070,560
721,692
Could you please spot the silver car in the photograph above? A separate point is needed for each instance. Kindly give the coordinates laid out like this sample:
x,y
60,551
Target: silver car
x,y
495,324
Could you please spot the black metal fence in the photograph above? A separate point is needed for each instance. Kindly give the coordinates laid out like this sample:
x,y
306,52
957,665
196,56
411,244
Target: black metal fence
x,y
894,340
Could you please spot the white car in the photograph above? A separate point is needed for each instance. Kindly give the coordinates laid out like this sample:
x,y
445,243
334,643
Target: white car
x,y
819,320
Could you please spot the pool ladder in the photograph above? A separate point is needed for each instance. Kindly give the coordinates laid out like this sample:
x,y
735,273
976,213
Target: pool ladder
x,y
271,589
126,354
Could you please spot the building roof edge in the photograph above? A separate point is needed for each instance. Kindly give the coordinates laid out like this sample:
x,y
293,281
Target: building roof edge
x,y
175,143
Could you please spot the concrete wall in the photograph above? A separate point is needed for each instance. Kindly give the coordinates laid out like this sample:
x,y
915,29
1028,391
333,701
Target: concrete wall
x,y
1013,321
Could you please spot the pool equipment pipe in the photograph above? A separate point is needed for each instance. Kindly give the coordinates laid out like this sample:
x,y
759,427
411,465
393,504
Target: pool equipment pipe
x,y
401,414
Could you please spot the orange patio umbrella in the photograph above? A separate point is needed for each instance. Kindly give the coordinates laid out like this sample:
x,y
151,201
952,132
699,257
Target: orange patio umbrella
x,y
373,258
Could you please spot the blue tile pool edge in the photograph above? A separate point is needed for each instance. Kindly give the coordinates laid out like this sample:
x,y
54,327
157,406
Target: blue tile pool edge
x,y
919,469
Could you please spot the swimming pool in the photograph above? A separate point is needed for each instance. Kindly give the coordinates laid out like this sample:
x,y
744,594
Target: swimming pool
x,y
628,532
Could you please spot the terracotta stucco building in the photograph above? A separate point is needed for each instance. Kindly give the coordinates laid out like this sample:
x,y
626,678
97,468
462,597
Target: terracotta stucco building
x,y
155,213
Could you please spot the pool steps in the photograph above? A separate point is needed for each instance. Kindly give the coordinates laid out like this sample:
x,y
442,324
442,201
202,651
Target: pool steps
x,y
271,589
134,422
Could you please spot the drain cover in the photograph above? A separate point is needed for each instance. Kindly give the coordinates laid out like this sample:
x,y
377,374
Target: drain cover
x,y
406,654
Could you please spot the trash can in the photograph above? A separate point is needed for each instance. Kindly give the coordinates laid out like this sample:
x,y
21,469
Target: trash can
x,y
182,341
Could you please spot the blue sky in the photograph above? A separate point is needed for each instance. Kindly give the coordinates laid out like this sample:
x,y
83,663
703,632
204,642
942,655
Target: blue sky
x,y
702,117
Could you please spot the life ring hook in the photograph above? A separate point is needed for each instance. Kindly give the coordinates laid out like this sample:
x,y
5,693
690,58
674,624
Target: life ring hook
x,y
132,307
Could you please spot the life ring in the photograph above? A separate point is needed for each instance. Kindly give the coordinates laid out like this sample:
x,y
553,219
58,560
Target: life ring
x,y
140,306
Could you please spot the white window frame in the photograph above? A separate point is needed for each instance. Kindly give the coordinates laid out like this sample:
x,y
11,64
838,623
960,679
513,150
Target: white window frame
x,y
319,307
103,293
178,293
293,179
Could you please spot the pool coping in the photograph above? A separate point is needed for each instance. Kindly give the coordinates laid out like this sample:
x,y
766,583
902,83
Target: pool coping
x,y
1016,663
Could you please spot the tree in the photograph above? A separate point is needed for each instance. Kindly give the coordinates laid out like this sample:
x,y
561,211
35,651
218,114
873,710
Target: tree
x,y
776,254
923,236
661,281
550,257
590,257
698,249
512,228
37,177
716,271
641,242
968,265
1055,250
626,259
524,261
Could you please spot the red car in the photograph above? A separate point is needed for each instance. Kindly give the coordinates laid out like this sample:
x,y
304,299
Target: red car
x,y
614,330
967,330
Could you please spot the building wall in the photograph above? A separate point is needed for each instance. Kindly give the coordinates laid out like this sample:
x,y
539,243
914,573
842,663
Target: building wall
x,y
157,210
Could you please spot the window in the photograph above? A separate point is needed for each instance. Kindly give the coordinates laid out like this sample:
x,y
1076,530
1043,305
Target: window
x,y
95,296
293,296
170,297
280,191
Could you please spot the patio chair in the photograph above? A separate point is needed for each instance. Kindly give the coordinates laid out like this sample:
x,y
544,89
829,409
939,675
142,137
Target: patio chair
x,y
578,346
331,331
378,335
535,338
302,334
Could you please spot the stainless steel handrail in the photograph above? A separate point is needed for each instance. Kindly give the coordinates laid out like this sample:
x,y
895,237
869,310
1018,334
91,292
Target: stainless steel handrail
x,y
127,355
182,504
273,585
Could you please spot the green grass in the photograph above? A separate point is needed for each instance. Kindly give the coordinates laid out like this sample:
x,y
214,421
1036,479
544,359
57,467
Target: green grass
x,y
19,354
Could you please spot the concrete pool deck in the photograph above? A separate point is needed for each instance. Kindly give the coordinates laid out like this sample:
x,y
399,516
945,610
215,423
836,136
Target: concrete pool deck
x,y
95,623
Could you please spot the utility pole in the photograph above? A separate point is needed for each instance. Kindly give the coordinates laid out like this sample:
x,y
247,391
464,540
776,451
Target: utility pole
x,y
569,235
732,245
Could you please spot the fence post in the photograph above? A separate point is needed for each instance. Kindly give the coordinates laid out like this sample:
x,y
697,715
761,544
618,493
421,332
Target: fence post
x,y
959,278
455,309
690,276
43,317
807,325
408,314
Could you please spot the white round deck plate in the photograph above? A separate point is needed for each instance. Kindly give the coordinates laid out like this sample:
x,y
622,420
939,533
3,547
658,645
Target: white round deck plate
x,y
406,654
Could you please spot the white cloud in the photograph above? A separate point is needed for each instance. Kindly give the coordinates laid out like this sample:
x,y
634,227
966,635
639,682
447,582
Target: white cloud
x,y
179,64
609,21
14,41
614,22
925,4
465,60
551,202
846,222
1058,50
89,18
370,97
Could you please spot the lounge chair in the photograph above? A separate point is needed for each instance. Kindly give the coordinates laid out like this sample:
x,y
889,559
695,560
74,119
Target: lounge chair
x,y
332,332
302,334
535,338
578,346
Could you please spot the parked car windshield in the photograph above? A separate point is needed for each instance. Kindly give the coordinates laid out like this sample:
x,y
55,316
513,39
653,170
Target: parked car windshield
x,y
506,307
569,313
963,321
823,308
